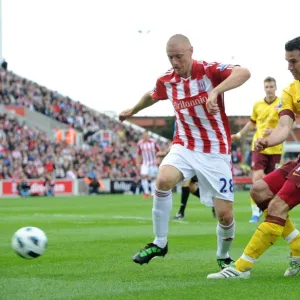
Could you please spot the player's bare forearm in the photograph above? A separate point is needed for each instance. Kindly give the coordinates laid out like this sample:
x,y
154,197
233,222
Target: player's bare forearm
x,y
145,101
281,132
248,127
237,77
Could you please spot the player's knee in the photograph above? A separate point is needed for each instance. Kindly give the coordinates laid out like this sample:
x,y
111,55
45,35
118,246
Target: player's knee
x,y
255,191
164,183
225,216
259,191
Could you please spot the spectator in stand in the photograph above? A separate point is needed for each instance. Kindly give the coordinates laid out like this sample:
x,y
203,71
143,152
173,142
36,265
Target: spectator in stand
x,y
50,166
70,135
71,174
49,185
95,184
23,187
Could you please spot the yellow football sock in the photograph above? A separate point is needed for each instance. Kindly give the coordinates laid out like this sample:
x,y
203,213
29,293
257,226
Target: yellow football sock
x,y
295,246
292,236
265,236
288,228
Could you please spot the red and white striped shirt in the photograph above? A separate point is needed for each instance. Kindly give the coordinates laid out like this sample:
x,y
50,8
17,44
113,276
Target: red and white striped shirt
x,y
197,129
147,149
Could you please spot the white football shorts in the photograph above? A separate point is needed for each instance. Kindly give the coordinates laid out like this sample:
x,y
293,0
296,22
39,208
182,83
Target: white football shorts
x,y
212,169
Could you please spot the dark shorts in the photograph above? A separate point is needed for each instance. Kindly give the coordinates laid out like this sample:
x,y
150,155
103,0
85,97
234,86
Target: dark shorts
x,y
265,162
194,179
285,182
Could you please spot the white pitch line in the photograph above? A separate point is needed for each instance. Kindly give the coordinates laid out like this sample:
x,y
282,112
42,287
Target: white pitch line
x,y
137,218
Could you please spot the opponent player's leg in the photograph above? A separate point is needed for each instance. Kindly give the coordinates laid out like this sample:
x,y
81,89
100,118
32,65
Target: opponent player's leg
x,y
268,232
290,233
185,192
264,190
265,236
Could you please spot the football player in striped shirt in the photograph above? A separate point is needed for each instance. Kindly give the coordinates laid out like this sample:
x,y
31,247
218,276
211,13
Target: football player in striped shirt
x,y
147,163
201,146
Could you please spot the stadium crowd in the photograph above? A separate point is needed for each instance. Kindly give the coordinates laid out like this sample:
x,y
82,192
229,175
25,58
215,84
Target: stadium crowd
x,y
30,152
18,91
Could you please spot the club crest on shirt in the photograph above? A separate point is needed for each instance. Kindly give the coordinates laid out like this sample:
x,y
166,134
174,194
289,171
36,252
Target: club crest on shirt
x,y
222,67
201,85
280,104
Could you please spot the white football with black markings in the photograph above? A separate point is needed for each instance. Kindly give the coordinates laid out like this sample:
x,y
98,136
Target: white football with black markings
x,y
29,242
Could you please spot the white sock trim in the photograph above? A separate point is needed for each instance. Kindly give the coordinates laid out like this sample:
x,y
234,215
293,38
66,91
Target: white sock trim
x,y
162,194
291,236
226,227
248,258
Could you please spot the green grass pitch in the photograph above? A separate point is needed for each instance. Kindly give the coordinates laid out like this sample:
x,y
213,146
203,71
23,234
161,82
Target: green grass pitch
x,y
92,241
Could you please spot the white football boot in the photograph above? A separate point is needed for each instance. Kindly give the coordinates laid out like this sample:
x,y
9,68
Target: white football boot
x,y
229,272
294,267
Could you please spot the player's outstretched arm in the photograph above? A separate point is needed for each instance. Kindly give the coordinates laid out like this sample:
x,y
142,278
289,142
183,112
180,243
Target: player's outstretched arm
x,y
244,131
145,101
278,135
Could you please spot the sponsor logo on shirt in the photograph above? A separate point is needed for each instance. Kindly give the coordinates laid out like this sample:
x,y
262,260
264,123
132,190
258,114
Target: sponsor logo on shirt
x,y
199,100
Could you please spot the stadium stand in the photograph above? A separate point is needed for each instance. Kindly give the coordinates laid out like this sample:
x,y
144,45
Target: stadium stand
x,y
30,151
